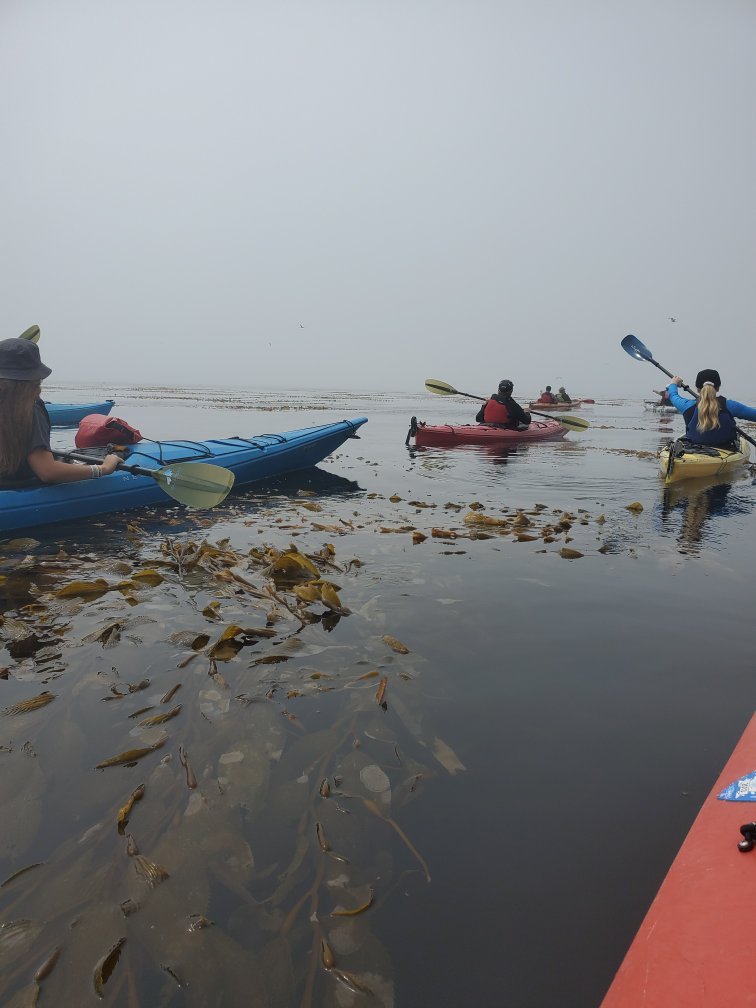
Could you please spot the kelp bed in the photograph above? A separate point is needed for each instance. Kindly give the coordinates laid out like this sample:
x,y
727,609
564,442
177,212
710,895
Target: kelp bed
x,y
202,775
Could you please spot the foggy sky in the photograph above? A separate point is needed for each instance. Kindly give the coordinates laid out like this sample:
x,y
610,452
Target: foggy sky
x,y
354,194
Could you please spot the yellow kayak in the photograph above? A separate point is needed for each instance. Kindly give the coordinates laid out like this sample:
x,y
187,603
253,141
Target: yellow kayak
x,y
691,461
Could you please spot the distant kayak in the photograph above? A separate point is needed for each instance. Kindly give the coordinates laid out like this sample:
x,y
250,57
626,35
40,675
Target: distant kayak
x,y
71,414
555,407
448,435
695,946
691,461
560,407
250,459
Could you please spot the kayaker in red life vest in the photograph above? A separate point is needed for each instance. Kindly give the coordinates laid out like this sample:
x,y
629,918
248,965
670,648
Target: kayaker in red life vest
x,y
502,411
711,419
25,426
547,396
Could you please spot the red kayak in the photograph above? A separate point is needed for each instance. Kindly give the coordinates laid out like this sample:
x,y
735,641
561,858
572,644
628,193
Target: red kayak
x,y
447,435
695,949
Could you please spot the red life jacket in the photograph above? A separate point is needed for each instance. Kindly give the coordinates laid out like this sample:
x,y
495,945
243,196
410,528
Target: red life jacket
x,y
495,412
547,397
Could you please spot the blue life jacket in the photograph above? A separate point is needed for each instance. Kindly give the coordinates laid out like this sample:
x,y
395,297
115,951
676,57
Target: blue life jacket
x,y
719,437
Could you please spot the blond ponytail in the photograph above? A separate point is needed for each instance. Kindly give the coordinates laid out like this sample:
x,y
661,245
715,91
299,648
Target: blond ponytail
x,y
708,409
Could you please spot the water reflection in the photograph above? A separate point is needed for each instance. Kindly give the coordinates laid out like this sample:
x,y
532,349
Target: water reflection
x,y
698,504
436,458
499,454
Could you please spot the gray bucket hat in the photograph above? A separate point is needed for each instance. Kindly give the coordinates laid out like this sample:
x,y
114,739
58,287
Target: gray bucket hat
x,y
20,361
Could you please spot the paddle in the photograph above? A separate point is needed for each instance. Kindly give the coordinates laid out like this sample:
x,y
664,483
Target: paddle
x,y
443,388
633,346
196,484
31,334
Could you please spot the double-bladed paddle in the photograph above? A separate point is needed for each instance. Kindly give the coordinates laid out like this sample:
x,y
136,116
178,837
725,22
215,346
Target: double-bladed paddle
x,y
443,388
196,484
639,351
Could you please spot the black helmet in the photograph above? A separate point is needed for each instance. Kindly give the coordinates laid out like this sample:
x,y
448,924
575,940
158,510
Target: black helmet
x,y
506,387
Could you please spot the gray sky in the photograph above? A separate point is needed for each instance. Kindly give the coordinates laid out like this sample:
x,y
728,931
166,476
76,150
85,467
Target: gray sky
x,y
467,190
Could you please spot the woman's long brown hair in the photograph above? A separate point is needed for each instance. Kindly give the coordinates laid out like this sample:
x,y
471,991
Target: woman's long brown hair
x,y
708,409
17,400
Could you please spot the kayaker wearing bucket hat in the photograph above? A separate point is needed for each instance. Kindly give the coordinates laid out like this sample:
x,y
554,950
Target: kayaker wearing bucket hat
x,y
502,411
25,426
711,420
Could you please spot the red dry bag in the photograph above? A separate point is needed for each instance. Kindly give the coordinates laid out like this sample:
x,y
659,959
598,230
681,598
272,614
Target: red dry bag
x,y
97,431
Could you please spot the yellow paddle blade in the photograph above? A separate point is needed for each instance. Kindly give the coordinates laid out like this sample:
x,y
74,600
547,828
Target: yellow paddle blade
x,y
573,422
31,334
196,484
440,387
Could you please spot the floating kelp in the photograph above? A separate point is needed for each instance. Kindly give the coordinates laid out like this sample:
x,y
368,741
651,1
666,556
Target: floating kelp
x,y
108,636
143,684
33,703
291,565
340,911
293,809
105,966
395,645
191,780
85,589
158,719
123,813
187,638
21,871
132,755
167,696
152,873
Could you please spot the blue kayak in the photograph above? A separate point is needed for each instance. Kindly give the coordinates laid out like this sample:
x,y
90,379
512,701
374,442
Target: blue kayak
x,y
250,459
71,414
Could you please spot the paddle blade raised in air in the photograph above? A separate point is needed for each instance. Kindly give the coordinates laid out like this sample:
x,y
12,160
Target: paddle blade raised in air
x,y
31,334
633,346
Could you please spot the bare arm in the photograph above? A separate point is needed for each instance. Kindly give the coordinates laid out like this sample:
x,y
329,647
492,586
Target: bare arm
x,y
50,470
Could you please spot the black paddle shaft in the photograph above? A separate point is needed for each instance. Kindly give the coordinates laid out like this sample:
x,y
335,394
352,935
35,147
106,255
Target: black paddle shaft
x,y
80,457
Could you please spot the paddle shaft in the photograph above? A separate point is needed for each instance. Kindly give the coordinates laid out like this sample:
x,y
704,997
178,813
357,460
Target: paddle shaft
x,y
79,457
695,395
534,412
195,484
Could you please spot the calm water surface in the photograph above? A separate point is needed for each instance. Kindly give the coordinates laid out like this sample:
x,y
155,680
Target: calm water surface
x,y
509,802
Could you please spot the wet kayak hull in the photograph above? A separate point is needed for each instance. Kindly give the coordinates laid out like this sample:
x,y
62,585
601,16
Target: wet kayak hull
x,y
71,414
450,435
692,465
695,947
250,459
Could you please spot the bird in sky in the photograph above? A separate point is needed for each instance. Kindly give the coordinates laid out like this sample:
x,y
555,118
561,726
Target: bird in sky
x,y
672,319
301,326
